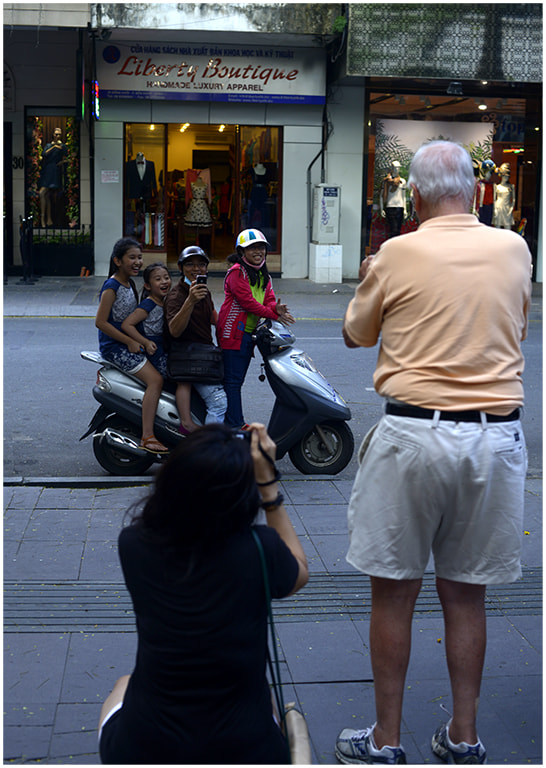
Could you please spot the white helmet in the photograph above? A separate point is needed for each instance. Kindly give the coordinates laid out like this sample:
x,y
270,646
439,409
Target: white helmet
x,y
249,237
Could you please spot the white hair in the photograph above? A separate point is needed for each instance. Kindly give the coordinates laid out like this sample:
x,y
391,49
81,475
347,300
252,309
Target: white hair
x,y
443,170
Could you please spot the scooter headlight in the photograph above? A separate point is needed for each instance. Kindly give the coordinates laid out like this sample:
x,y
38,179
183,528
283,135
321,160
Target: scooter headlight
x,y
102,382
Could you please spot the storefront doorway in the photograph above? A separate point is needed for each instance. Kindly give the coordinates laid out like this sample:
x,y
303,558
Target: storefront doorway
x,y
200,184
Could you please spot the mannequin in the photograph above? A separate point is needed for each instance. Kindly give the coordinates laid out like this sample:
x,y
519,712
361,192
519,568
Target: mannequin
x,y
485,192
198,214
258,196
392,200
504,199
140,178
51,177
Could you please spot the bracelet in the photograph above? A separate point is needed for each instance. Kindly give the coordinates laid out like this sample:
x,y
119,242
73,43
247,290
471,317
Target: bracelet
x,y
275,479
277,501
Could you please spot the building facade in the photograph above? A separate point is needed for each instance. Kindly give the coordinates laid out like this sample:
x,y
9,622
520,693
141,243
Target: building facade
x,y
183,123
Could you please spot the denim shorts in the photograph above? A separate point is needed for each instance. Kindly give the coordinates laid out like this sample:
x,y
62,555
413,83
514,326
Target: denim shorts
x,y
455,489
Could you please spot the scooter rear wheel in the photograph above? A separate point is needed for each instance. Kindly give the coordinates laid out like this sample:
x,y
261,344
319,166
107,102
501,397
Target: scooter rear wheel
x,y
324,454
117,462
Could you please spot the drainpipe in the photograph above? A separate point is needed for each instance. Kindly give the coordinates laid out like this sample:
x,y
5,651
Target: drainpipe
x,y
320,153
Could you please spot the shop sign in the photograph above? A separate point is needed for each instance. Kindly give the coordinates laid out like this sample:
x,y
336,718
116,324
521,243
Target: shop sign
x,y
211,73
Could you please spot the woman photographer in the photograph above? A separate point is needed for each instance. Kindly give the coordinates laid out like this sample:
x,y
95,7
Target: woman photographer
x,y
198,692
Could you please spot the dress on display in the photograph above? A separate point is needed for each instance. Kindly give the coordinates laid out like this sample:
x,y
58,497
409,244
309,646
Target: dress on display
x,y
51,174
504,203
198,214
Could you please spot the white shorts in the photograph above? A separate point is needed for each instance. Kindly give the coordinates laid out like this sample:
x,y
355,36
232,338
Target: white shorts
x,y
453,488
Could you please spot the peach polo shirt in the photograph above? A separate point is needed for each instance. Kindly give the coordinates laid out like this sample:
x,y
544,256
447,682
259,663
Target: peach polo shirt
x,y
450,302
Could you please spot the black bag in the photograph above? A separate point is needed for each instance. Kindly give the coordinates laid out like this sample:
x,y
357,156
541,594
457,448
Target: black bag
x,y
193,361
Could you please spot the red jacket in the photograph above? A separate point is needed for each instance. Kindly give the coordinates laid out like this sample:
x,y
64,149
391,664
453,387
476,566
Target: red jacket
x,y
238,304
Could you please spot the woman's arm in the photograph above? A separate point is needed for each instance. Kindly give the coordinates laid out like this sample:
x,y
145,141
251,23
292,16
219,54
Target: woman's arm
x,y
277,516
102,323
128,326
240,288
283,313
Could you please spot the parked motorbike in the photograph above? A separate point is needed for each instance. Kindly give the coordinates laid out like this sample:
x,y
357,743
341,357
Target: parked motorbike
x,y
117,424
308,420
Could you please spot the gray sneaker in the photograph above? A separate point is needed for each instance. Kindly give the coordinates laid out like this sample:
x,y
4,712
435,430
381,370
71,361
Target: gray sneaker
x,y
462,753
355,747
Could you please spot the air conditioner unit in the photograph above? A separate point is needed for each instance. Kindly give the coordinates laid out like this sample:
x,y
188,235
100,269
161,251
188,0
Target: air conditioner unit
x,y
211,138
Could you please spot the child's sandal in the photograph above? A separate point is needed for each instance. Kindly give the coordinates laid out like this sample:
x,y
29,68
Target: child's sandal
x,y
148,443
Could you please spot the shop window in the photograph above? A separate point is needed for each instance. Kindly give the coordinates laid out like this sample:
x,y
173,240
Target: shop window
x,y
496,129
208,183
144,209
52,171
259,187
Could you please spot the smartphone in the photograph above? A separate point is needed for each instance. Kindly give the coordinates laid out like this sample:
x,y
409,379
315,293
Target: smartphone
x,y
201,279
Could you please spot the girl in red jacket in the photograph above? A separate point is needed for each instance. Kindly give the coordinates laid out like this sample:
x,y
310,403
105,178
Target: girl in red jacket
x,y
248,296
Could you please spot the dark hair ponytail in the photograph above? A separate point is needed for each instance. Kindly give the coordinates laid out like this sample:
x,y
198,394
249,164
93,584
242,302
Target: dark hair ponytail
x,y
204,492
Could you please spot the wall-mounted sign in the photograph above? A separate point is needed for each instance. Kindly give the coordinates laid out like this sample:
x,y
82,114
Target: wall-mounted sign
x,y
109,177
211,73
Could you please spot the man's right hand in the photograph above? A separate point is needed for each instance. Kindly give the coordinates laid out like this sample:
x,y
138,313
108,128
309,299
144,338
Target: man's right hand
x,y
198,291
364,266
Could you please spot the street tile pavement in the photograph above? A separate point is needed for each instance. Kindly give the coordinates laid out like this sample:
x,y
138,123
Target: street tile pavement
x,y
57,675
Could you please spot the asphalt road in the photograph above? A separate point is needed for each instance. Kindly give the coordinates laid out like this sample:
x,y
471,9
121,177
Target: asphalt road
x,y
48,402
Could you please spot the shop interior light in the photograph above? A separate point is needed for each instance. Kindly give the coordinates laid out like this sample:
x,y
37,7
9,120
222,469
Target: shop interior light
x,y
152,127
222,128
184,127
482,105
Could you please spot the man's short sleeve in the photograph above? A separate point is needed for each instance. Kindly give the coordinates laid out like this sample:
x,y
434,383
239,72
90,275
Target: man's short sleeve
x,y
365,312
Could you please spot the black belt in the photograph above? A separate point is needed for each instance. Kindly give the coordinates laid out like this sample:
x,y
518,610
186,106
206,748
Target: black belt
x,y
415,412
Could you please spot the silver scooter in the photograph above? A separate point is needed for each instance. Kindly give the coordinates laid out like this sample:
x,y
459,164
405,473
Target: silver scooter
x,y
308,420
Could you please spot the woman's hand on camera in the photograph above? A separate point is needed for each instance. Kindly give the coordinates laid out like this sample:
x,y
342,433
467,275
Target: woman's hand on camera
x,y
264,468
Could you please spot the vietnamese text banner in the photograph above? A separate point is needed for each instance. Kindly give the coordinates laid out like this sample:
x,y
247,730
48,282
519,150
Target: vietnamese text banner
x,y
211,73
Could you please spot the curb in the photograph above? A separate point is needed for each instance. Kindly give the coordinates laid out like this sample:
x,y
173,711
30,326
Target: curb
x,y
79,482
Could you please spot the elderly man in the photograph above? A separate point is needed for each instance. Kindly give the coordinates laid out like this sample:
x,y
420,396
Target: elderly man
x,y
444,469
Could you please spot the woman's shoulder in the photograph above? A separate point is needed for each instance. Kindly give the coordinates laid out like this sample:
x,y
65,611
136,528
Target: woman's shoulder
x,y
237,272
131,538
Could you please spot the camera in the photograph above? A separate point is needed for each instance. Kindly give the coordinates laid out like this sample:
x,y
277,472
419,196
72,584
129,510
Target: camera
x,y
201,279
242,434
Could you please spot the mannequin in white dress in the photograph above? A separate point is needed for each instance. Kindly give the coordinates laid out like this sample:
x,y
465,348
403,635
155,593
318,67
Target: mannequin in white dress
x,y
504,199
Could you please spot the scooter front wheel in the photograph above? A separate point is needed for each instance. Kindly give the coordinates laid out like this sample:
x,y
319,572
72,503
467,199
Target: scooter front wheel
x,y
324,450
118,462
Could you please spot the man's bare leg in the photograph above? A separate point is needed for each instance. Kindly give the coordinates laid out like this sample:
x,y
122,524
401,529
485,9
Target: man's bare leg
x,y
393,602
465,640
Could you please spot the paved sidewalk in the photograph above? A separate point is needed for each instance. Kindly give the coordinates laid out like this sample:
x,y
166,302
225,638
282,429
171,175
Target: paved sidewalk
x,y
69,630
